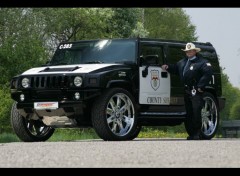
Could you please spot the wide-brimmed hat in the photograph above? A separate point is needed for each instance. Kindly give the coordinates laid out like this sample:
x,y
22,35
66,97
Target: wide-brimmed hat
x,y
191,46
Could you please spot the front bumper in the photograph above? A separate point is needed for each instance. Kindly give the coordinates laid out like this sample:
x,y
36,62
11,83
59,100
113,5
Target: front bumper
x,y
41,95
68,105
69,109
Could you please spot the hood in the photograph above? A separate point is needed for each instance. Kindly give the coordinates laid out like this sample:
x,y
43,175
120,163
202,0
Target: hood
x,y
81,68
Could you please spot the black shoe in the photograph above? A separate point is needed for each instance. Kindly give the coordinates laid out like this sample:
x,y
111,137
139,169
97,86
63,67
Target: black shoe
x,y
189,138
193,137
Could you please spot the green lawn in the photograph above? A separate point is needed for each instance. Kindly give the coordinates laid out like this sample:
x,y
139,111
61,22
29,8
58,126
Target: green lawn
x,y
89,133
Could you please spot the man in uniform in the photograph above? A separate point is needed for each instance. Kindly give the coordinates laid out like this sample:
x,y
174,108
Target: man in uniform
x,y
195,73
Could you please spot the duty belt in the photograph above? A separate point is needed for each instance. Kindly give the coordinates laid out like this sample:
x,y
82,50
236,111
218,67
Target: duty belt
x,y
190,90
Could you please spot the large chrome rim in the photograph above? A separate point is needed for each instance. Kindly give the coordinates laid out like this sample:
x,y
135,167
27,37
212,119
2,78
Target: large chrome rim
x,y
120,114
37,128
209,116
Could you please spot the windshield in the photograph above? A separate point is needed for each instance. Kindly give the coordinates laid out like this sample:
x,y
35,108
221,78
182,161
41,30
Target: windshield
x,y
101,51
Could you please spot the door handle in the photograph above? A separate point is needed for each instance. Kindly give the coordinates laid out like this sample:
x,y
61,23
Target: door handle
x,y
164,74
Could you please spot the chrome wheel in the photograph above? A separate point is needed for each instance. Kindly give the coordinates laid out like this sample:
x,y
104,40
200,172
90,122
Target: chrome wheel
x,y
120,114
29,130
114,115
37,128
210,117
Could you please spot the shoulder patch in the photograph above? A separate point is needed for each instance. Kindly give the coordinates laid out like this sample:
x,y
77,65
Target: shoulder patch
x,y
208,64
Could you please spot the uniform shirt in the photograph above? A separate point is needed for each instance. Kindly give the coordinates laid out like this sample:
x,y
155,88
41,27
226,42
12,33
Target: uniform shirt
x,y
189,61
198,74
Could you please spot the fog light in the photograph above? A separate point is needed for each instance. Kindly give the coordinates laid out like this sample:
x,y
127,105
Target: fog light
x,y
77,96
22,97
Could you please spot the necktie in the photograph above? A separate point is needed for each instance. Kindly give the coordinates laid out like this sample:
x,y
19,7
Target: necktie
x,y
186,66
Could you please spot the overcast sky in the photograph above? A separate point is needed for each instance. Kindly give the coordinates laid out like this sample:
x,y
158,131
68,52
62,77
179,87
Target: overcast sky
x,y
221,27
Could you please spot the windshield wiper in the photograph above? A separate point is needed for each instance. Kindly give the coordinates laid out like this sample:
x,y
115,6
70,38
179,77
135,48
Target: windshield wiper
x,y
94,62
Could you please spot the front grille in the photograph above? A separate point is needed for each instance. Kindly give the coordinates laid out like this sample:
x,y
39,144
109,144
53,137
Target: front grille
x,y
47,95
60,81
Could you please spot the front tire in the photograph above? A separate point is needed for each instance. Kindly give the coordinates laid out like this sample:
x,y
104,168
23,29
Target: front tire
x,y
114,115
29,130
136,133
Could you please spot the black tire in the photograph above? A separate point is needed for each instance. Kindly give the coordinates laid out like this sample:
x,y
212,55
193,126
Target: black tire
x,y
114,115
135,134
29,130
210,117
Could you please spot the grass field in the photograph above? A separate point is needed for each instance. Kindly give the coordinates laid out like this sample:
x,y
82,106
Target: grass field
x,y
89,133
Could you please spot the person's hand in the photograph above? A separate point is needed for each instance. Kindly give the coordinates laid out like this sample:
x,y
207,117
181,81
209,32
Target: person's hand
x,y
164,67
200,90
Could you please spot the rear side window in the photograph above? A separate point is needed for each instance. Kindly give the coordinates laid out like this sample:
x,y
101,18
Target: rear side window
x,y
175,54
211,56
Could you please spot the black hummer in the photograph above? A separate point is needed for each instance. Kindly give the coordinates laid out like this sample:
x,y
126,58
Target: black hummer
x,y
115,86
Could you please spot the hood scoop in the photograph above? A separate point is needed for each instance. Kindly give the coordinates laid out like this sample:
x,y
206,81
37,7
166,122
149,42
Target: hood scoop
x,y
68,69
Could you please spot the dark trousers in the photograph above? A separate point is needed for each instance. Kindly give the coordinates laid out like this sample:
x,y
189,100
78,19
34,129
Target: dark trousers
x,y
194,106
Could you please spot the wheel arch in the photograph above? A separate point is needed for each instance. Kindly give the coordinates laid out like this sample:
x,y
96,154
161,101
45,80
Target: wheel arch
x,y
213,92
121,84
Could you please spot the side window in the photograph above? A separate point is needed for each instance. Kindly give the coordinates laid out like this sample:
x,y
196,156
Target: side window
x,y
175,54
148,50
211,56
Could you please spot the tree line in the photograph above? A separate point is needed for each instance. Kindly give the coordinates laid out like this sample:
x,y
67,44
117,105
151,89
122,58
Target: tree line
x,y
29,37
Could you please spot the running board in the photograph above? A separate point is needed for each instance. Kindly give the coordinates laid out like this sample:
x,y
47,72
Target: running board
x,y
163,114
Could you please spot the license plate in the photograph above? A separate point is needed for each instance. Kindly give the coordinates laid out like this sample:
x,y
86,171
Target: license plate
x,y
45,105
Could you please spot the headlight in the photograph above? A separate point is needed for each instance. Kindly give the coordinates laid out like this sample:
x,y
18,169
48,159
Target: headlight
x,y
25,82
13,84
78,81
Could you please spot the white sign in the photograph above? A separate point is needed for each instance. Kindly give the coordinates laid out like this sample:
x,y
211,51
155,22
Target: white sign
x,y
45,105
154,88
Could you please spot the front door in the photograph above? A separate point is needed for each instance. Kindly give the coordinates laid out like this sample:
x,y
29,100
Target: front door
x,y
155,87
154,82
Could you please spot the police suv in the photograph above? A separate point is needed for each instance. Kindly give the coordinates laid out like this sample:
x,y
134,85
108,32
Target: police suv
x,y
115,86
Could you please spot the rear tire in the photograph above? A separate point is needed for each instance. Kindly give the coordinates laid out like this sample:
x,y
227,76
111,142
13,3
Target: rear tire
x,y
29,130
210,118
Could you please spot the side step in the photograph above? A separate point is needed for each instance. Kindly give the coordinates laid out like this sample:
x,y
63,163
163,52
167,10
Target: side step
x,y
161,118
162,114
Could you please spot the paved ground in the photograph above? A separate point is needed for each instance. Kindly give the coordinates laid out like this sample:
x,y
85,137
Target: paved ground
x,y
137,153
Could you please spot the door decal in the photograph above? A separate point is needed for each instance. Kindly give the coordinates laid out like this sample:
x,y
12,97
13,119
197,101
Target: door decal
x,y
155,79
154,88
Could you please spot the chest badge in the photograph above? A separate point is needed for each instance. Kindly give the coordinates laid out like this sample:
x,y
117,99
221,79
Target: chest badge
x,y
191,67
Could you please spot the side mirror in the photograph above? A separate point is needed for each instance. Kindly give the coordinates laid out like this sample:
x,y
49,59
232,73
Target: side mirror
x,y
145,72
